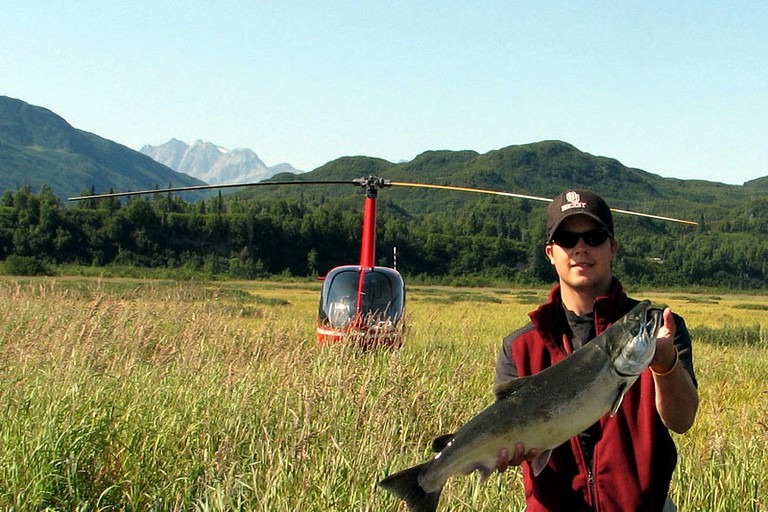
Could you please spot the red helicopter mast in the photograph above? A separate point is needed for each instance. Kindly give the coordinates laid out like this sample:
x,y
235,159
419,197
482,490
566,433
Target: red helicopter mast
x,y
368,245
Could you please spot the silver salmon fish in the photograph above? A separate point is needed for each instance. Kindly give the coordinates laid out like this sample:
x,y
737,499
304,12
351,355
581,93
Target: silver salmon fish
x,y
541,411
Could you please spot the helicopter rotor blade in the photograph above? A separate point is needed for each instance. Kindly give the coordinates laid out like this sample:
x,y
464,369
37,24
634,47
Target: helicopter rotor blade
x,y
366,182
467,189
660,217
534,198
211,187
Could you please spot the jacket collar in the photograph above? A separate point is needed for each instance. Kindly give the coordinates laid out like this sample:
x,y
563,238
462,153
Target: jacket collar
x,y
549,319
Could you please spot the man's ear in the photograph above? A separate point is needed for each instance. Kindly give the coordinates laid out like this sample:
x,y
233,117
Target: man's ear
x,y
548,252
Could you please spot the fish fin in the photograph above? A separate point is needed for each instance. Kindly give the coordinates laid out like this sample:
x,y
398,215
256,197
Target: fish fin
x,y
405,485
441,442
507,388
540,462
619,399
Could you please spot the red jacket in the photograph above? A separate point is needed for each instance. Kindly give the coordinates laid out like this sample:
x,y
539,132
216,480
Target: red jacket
x,y
634,456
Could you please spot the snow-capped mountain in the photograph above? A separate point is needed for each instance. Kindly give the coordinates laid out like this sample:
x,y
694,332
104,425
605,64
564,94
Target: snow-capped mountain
x,y
214,164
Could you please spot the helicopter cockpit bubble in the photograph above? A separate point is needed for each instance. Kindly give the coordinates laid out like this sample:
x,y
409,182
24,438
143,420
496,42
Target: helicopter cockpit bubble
x,y
382,297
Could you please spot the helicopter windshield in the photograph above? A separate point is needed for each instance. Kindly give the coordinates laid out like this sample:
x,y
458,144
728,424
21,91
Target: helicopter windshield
x,y
383,296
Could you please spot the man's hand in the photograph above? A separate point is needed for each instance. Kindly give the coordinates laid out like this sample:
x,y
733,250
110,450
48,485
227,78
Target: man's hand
x,y
665,356
503,459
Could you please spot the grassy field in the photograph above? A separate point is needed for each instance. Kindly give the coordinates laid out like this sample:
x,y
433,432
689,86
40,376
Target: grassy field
x,y
126,394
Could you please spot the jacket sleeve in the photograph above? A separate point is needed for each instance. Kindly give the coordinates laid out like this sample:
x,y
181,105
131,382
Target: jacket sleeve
x,y
684,346
506,369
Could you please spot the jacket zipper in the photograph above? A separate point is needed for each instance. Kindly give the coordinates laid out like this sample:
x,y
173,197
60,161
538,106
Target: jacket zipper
x,y
589,461
592,490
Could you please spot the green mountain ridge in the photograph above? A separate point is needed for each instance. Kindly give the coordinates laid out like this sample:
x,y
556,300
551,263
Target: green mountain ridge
x,y
39,148
542,169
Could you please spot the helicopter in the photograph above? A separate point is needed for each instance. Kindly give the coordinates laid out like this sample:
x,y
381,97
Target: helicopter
x,y
362,302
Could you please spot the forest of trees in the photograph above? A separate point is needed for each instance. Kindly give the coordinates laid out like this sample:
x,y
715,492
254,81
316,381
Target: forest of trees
x,y
488,240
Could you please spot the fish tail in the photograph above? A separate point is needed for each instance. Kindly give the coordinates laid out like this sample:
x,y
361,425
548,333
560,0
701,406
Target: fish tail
x,y
405,485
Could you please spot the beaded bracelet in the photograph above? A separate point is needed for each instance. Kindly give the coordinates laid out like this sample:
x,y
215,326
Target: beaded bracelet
x,y
674,366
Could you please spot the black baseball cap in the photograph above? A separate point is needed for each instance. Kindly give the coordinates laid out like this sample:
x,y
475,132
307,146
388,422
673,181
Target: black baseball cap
x,y
578,202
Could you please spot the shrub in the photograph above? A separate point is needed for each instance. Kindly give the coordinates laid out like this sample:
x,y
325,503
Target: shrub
x,y
25,266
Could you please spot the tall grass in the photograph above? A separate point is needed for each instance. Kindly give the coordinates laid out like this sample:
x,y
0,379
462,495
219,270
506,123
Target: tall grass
x,y
151,395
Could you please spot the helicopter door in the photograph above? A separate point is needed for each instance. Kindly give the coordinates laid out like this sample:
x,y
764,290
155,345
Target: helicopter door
x,y
383,296
338,301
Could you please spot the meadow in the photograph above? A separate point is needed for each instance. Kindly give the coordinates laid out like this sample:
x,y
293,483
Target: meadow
x,y
130,394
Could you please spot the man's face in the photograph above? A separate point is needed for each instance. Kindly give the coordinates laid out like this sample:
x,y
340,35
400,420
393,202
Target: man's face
x,y
582,267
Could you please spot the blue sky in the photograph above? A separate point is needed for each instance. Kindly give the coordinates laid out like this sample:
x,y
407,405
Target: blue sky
x,y
679,89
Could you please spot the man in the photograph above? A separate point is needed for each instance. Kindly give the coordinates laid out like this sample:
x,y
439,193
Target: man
x,y
621,463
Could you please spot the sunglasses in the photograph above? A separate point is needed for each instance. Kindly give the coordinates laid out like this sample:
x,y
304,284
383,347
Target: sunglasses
x,y
568,239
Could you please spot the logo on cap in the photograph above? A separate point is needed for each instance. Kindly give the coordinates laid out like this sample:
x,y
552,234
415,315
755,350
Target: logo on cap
x,y
574,201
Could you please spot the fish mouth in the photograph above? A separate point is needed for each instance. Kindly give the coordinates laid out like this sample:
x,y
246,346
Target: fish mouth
x,y
638,354
653,321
